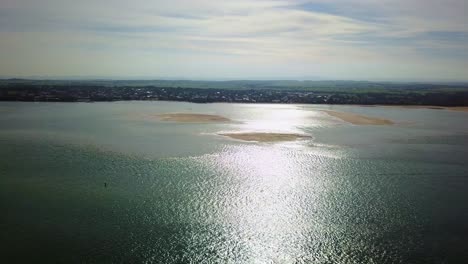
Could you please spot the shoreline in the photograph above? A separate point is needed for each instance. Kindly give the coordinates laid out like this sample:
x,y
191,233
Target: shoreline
x,y
433,107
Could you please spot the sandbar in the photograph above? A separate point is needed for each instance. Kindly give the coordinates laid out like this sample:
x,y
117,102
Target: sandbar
x,y
452,108
458,108
265,137
358,119
192,118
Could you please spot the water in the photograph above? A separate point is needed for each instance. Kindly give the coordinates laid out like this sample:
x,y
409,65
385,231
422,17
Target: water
x,y
178,193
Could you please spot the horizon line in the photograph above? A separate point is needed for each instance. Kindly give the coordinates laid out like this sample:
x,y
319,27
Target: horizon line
x,y
90,78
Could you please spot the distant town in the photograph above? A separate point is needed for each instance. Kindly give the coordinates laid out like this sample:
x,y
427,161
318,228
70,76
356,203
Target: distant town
x,y
339,92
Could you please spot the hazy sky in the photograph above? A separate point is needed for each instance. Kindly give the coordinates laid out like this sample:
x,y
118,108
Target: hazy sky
x,y
224,39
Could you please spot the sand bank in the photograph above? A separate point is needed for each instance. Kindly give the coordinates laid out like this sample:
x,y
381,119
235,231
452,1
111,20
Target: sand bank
x,y
458,108
192,118
452,108
358,119
265,137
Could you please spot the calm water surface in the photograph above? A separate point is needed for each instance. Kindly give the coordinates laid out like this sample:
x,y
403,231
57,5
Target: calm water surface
x,y
178,193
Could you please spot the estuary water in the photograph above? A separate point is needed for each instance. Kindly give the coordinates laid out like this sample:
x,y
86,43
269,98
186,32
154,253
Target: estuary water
x,y
103,183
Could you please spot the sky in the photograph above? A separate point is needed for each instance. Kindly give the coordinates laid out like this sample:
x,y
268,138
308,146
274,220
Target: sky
x,y
401,40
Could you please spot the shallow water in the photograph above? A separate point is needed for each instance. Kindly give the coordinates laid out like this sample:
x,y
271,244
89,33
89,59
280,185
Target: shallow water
x,y
179,193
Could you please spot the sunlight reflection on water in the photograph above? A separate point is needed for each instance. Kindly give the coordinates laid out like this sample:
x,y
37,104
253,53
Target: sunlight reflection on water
x,y
278,118
265,207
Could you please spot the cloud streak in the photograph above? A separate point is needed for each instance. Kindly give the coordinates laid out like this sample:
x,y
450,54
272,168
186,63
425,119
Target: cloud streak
x,y
348,39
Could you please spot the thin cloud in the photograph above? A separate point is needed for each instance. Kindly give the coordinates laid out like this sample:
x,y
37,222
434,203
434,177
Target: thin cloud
x,y
237,36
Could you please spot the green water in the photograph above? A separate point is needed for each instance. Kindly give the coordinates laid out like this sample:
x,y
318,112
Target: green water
x,y
178,193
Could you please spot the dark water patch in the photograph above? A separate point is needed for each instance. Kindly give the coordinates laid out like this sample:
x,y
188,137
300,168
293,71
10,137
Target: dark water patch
x,y
240,205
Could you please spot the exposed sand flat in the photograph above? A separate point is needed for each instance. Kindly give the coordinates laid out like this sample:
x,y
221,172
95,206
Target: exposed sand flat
x,y
192,118
358,119
415,106
458,108
452,108
265,137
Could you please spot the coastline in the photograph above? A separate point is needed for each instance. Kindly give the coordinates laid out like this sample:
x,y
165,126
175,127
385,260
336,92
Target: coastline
x,y
433,107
